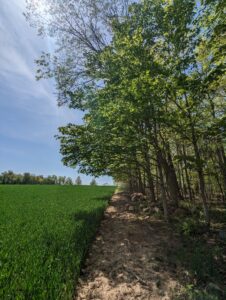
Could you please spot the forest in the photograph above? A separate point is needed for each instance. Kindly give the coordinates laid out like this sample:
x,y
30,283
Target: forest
x,y
150,79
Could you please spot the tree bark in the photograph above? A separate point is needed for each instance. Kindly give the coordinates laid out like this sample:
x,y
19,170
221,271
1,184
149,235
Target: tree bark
x,y
200,175
198,165
162,188
186,174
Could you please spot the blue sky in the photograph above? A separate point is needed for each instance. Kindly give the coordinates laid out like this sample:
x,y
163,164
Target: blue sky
x,y
29,116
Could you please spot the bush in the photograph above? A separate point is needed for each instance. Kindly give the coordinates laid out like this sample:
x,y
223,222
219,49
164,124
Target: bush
x,y
189,226
192,293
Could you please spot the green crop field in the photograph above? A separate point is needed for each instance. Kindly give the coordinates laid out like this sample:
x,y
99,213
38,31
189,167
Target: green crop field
x,y
45,232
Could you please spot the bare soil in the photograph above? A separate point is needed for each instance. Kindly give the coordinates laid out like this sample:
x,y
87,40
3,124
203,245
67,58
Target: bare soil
x,y
129,257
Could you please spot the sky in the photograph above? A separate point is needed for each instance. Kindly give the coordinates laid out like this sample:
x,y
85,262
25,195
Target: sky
x,y
29,115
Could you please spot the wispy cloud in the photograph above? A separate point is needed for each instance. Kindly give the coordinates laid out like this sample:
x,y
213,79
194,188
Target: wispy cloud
x,y
28,109
19,48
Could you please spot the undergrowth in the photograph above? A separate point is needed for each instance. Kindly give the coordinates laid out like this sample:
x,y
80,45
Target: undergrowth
x,y
202,255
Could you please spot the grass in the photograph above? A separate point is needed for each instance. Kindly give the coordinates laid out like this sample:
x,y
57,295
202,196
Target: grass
x,y
45,232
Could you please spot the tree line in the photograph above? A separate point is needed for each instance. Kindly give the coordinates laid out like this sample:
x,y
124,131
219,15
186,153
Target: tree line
x,y
10,177
150,78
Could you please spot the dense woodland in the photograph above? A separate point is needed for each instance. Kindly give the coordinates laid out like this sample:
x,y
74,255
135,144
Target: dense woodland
x,y
150,78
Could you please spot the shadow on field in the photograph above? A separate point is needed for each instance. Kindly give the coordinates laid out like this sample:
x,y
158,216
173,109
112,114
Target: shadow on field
x,y
104,198
89,218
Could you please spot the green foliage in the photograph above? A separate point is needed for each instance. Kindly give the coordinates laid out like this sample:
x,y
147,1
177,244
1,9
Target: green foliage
x,y
189,226
150,78
45,232
191,293
78,181
149,74
200,260
93,182
12,178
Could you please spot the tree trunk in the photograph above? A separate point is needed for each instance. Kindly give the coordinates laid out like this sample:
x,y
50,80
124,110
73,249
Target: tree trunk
x,y
200,176
162,188
186,174
141,188
171,178
222,165
198,165
220,150
150,180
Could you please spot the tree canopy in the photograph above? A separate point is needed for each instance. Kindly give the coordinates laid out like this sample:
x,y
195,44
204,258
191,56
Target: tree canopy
x,y
150,78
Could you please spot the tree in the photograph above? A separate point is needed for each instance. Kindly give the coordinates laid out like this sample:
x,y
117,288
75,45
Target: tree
x,y
27,178
93,182
61,180
78,181
152,93
68,181
12,178
80,28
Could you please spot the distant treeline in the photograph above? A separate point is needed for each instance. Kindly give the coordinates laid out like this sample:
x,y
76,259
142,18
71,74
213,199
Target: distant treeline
x,y
10,177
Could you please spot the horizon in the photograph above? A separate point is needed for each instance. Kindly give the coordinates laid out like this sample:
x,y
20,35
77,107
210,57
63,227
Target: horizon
x,y
51,175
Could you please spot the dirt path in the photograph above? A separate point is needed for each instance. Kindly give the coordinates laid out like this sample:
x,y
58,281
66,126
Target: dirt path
x,y
128,259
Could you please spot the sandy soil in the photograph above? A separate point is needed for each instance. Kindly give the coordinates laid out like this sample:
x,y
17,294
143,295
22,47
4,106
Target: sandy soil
x,y
128,259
